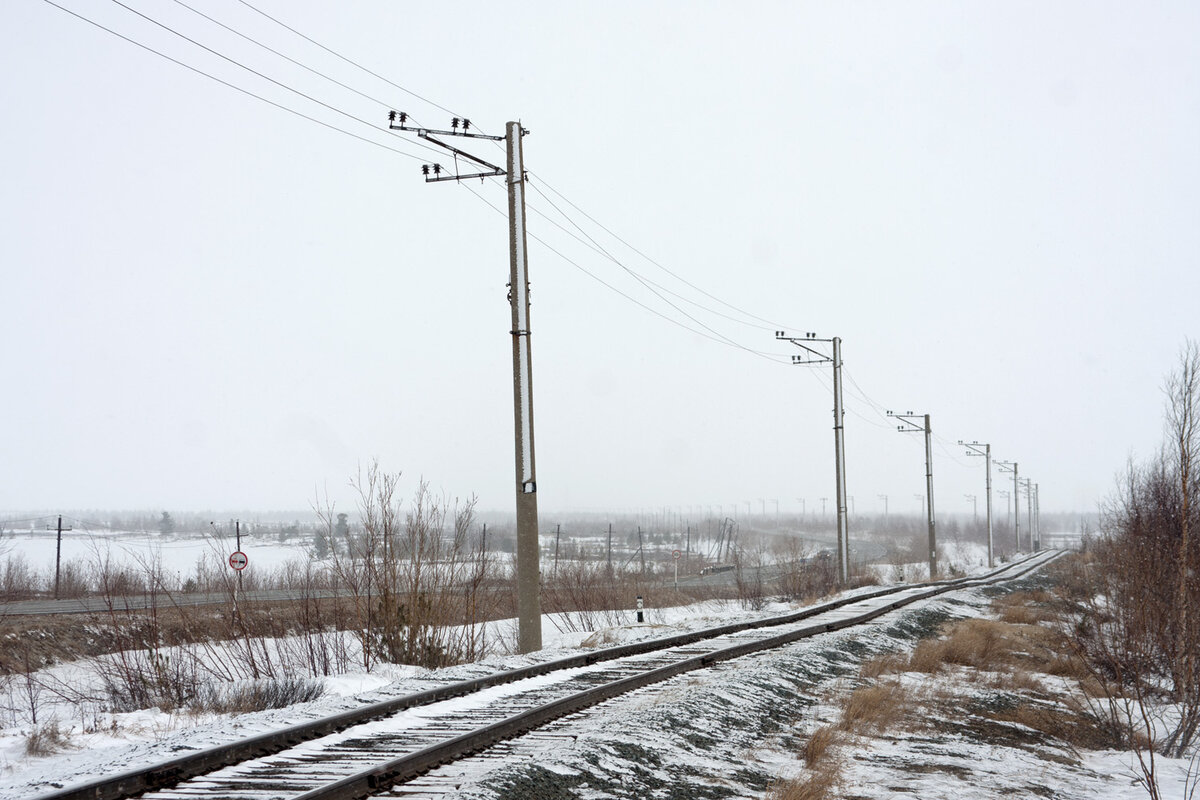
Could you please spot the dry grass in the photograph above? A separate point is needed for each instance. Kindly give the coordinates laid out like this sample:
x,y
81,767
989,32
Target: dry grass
x,y
1018,681
818,744
822,784
1007,645
1068,724
874,708
883,665
1011,655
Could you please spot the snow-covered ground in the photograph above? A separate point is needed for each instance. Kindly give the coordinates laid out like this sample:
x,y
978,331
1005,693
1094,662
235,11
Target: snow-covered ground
x,y
178,554
725,732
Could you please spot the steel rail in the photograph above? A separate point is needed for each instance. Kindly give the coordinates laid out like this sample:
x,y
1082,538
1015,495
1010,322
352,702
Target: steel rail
x,y
399,770
169,773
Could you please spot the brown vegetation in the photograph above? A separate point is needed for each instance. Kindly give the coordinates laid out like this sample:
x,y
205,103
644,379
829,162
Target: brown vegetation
x,y
874,708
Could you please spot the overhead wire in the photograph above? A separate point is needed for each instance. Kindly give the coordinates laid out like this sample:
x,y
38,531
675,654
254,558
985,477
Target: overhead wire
x,y
587,239
652,286
253,71
284,56
233,86
645,283
349,61
27,519
591,244
618,291
654,262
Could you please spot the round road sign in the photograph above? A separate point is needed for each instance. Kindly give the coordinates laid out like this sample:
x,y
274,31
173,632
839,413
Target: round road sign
x,y
675,554
238,560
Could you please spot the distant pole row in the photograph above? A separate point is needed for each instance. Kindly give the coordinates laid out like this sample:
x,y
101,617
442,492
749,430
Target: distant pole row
x,y
909,423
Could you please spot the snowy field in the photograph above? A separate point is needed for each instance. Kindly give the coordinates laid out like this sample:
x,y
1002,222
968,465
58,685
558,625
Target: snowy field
x,y
725,732
177,553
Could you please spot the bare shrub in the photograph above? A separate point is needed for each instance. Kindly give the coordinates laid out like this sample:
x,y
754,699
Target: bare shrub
x,y
18,580
260,695
421,583
1140,630
45,740
589,595
148,678
73,579
806,576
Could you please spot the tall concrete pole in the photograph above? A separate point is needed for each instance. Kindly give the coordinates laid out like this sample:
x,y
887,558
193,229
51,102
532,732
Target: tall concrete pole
x,y
529,603
929,493
839,444
985,450
988,460
1037,516
1016,506
1029,510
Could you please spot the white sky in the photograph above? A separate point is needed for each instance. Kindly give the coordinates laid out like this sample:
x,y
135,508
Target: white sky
x,y
211,303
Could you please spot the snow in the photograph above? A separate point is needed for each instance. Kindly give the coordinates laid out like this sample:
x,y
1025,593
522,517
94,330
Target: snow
x,y
177,553
728,731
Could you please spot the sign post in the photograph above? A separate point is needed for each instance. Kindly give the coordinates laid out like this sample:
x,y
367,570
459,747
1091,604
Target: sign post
x,y
675,555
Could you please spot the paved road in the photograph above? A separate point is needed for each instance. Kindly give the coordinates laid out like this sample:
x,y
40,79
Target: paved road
x,y
859,551
93,605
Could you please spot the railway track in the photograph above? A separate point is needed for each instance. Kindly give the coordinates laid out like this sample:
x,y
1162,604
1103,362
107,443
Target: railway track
x,y
366,751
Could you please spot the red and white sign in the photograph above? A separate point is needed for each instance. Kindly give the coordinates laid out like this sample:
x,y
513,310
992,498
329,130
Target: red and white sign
x,y
238,560
675,554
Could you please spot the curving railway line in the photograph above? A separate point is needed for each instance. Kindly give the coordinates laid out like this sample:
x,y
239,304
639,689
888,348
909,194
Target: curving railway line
x,y
370,750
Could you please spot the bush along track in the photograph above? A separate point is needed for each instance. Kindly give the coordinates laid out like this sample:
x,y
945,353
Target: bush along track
x,y
426,756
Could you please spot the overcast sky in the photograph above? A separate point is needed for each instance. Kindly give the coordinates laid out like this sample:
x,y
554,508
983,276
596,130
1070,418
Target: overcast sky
x,y
212,303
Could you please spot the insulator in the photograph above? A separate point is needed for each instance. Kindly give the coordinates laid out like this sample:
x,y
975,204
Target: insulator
x,y
424,169
403,117
454,123
437,169
391,116
466,124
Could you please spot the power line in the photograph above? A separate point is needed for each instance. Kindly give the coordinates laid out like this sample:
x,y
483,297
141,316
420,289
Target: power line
x,y
595,246
288,58
26,519
774,325
642,280
630,298
233,86
251,70
347,60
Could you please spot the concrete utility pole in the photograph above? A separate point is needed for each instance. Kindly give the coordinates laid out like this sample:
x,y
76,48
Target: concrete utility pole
x,y
529,604
1011,466
812,355
974,507
1028,484
985,450
58,555
884,498
910,426
1037,515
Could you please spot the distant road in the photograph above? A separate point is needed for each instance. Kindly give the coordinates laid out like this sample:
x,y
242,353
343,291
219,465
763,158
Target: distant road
x,y
98,605
859,551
